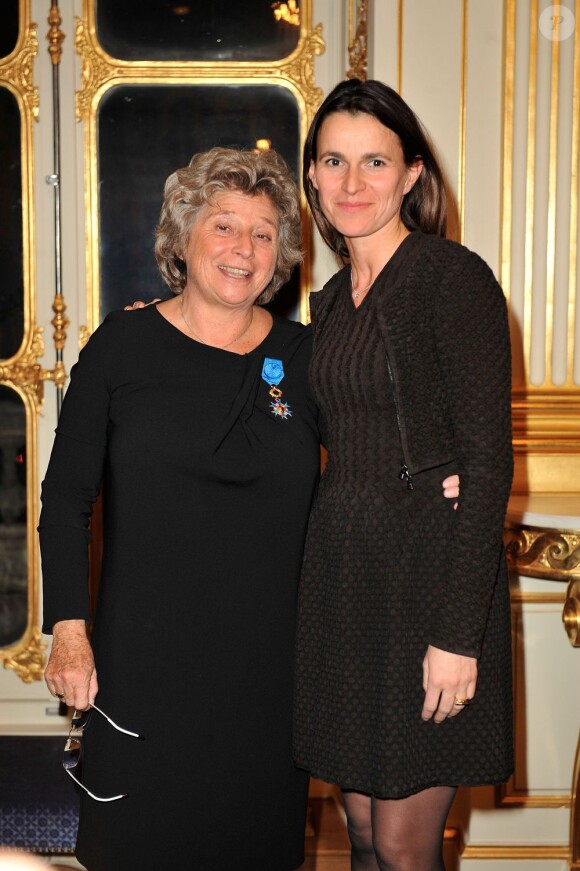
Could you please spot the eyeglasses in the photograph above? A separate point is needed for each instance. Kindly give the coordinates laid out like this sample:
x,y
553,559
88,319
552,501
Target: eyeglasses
x,y
72,748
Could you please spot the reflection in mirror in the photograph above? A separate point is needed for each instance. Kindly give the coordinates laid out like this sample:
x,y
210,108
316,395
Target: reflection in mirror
x,y
215,30
9,28
11,265
13,552
175,121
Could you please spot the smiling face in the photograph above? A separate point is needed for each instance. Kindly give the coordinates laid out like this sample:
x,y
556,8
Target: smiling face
x,y
232,249
360,175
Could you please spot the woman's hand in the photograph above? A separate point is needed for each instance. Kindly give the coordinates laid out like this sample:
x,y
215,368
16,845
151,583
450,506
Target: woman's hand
x,y
446,677
140,304
70,673
451,488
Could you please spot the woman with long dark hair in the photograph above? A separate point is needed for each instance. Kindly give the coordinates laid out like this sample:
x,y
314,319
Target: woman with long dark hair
x,y
403,686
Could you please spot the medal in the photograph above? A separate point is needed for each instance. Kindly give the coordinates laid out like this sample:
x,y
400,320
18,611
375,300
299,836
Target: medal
x,y
273,373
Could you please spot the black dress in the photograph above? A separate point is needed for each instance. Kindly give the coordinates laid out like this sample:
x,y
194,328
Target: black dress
x,y
377,566
207,496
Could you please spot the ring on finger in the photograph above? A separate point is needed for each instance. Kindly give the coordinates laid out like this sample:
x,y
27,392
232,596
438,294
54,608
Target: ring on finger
x,y
460,703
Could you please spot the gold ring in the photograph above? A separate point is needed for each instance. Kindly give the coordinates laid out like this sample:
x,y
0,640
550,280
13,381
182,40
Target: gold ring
x,y
460,703
59,695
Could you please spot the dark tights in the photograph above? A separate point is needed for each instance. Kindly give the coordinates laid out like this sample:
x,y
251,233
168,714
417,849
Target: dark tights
x,y
403,834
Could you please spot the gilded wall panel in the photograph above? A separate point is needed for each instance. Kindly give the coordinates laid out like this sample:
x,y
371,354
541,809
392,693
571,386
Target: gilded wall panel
x,y
281,90
21,346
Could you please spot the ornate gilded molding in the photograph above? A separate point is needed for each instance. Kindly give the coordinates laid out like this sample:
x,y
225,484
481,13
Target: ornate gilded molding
x,y
571,612
536,552
358,41
25,373
55,36
18,71
29,660
95,71
84,336
575,815
60,322
546,414
101,72
302,69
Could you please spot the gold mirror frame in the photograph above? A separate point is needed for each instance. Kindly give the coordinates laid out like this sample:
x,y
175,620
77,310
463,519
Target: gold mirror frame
x,y
22,372
101,72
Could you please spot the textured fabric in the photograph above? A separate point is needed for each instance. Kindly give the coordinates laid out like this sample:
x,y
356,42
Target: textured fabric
x,y
39,808
206,501
419,373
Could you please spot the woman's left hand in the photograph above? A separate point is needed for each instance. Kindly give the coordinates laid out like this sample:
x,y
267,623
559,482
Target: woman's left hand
x,y
447,678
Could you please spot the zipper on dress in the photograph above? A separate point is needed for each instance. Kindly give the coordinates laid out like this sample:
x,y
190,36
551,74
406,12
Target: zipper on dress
x,y
404,474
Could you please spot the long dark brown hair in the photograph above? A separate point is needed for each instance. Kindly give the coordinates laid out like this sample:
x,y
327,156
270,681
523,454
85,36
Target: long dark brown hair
x,y
425,206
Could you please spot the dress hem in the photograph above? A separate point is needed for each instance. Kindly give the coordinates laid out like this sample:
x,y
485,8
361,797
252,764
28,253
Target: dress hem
x,y
405,793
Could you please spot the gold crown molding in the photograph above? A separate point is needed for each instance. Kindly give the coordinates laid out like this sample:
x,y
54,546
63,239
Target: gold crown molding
x,y
17,71
55,36
357,40
537,552
29,660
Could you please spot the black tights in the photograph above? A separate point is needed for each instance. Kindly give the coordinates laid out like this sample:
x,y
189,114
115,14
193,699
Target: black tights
x,y
403,834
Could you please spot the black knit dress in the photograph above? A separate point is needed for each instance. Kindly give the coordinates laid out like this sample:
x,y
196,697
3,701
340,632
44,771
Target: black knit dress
x,y
376,571
207,495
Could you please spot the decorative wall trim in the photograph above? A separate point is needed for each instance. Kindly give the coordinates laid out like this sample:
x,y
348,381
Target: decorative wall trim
x,y
514,852
100,72
462,120
22,372
537,552
539,251
357,39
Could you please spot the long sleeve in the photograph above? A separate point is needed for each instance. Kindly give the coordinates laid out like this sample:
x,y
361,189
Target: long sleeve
x,y
474,350
72,484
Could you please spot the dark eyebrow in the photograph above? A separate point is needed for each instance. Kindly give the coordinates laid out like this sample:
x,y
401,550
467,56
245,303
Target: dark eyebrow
x,y
369,155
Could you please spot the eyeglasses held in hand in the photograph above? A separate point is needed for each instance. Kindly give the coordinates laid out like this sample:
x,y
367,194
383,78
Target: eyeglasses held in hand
x,y
72,748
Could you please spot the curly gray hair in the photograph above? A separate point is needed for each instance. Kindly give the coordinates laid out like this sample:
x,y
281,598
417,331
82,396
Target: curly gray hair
x,y
209,173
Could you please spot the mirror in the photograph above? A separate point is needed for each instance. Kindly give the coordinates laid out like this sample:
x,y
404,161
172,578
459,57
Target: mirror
x,y
10,26
13,516
175,121
11,245
215,30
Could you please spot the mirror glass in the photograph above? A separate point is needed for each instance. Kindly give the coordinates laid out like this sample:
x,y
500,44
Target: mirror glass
x,y
11,264
175,121
13,549
213,30
9,28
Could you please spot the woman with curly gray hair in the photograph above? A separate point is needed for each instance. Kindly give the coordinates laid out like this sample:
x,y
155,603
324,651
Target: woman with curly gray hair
x,y
196,413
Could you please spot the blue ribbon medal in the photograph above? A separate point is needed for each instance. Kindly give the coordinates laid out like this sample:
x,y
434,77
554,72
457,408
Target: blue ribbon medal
x,y
273,373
